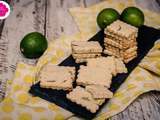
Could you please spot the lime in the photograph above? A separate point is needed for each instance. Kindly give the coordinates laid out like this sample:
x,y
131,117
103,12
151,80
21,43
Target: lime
x,y
133,16
33,45
106,17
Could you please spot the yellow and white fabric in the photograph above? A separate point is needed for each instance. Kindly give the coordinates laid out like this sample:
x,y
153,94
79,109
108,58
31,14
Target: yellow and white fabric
x,y
86,17
20,105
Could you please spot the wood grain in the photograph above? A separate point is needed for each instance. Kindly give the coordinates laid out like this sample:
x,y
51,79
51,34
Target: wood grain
x,y
3,55
58,19
51,18
146,107
151,5
27,16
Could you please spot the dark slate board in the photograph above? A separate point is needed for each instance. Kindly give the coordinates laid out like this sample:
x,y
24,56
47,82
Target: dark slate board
x,y
146,38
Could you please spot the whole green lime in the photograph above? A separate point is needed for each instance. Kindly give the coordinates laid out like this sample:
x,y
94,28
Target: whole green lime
x,y
106,17
33,45
133,16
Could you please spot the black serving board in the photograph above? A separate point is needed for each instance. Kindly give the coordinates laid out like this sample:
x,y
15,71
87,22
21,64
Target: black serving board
x,y
146,38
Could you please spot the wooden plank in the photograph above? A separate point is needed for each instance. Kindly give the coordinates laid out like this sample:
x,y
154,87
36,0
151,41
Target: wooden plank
x,y
150,4
1,26
59,21
146,107
91,2
27,16
51,17
3,48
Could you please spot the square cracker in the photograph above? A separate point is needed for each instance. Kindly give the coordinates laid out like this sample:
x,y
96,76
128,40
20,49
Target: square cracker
x,y
99,91
86,47
92,75
112,64
121,44
107,63
85,55
56,77
82,97
122,29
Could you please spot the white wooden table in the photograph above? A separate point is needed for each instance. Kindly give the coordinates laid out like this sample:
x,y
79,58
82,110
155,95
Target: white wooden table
x,y
51,18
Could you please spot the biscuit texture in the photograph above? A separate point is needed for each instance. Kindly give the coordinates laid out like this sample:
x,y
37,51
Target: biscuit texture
x,y
86,47
56,77
83,50
99,91
93,76
82,97
120,41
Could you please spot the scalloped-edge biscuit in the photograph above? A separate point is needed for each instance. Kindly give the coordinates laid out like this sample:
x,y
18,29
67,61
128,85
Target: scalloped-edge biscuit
x,y
82,97
108,41
129,59
119,44
85,55
103,62
99,91
122,29
112,53
86,47
87,76
127,56
120,66
56,77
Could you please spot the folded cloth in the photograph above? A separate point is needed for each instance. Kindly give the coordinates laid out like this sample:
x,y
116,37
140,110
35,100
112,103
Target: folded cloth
x,y
28,107
19,104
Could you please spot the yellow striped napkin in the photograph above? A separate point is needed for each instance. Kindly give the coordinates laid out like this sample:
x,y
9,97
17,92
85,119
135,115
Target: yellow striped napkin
x,y
19,105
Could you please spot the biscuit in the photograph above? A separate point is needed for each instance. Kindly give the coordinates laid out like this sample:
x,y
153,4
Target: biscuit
x,y
87,76
56,77
67,86
86,47
81,60
82,97
83,56
103,62
129,59
113,49
120,37
122,29
130,50
111,52
129,44
112,64
126,56
121,53
98,91
122,45
108,41
120,66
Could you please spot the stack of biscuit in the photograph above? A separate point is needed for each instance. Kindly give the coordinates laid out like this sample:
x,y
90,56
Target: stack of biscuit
x,y
120,41
83,50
